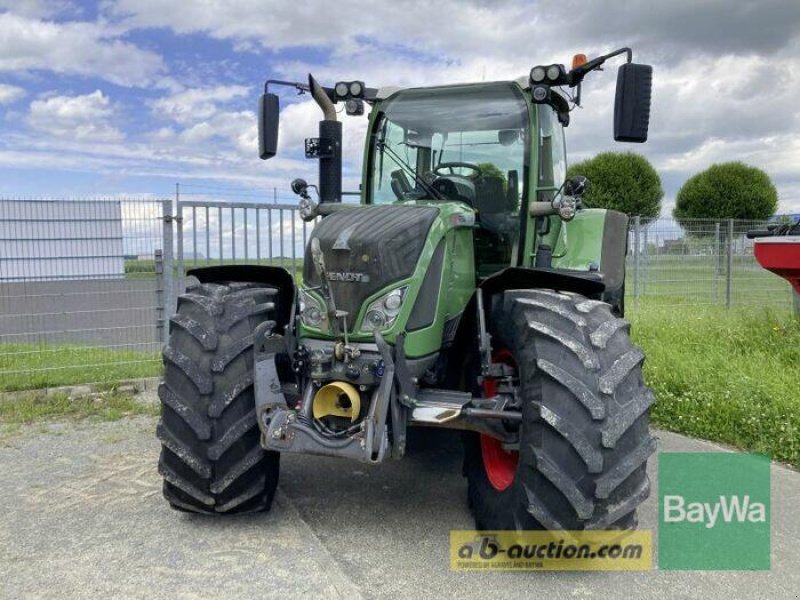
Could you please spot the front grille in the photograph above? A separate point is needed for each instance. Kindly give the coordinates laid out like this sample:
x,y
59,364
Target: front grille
x,y
367,248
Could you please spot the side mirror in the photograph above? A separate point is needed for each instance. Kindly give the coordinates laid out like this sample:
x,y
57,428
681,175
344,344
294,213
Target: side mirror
x,y
632,103
576,186
299,186
268,119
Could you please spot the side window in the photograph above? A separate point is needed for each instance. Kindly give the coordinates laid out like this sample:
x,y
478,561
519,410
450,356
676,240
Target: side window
x,y
394,138
552,152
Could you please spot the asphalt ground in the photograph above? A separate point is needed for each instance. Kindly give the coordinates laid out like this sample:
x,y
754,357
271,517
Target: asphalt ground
x,y
81,516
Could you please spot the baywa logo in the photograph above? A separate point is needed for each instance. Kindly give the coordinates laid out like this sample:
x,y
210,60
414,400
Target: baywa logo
x,y
729,508
550,550
714,511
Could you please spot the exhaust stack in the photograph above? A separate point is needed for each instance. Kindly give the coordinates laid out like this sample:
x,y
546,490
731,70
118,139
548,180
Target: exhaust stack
x,y
330,134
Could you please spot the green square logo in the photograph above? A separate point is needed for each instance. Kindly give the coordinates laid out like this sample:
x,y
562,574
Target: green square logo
x,y
714,511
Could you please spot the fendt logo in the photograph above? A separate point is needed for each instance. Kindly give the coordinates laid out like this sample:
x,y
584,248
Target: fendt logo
x,y
348,276
729,508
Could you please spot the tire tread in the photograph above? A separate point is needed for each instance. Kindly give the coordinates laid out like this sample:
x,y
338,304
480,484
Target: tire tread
x,y
211,458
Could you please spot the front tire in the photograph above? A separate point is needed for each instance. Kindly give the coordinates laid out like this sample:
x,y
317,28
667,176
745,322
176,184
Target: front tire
x,y
211,458
584,438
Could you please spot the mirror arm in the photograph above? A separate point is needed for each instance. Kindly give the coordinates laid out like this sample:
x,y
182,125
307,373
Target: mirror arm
x,y
300,87
577,74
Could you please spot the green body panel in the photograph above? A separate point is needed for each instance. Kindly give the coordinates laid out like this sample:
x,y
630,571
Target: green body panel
x,y
453,225
578,243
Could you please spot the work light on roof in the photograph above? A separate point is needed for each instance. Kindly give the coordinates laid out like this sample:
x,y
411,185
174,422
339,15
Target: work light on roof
x,y
554,73
538,74
341,89
345,90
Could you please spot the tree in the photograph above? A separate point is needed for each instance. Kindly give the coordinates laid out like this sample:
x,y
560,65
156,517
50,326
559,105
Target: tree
x,y
622,181
490,170
731,190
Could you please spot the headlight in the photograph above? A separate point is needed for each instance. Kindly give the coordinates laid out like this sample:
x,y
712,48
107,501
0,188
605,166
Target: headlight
x,y
538,74
382,313
341,89
312,312
540,93
553,72
356,88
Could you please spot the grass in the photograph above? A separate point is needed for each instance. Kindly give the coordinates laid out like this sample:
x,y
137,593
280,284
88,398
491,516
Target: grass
x,y
32,366
39,407
728,376
697,280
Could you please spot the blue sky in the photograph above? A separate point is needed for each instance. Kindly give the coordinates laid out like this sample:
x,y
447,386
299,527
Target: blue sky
x,y
128,97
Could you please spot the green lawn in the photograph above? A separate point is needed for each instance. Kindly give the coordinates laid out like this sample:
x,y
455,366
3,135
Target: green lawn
x,y
31,366
697,280
729,376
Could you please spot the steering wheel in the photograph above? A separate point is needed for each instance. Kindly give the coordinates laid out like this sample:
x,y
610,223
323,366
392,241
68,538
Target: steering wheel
x,y
455,165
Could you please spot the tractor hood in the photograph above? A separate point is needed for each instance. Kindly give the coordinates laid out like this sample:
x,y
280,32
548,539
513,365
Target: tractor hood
x,y
368,248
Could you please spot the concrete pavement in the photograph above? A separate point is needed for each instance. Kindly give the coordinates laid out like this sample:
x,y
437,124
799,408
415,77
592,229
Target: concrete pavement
x,y
82,516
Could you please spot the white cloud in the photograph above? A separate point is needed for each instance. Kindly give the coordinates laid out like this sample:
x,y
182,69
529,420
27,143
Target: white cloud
x,y
10,93
191,105
204,123
450,30
74,48
719,92
82,118
38,9
234,128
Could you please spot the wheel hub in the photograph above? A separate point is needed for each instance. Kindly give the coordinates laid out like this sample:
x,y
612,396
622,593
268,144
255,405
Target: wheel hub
x,y
500,464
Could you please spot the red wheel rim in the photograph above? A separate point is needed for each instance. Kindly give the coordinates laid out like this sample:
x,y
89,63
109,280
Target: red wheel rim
x,y
500,464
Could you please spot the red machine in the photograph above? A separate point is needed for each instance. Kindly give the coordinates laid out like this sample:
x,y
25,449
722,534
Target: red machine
x,y
777,249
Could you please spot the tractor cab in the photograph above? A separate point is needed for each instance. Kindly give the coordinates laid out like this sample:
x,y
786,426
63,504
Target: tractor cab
x,y
461,143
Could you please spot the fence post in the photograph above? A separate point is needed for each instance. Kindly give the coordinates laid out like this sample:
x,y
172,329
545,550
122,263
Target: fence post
x,y
717,256
179,233
729,269
158,263
637,231
167,269
646,256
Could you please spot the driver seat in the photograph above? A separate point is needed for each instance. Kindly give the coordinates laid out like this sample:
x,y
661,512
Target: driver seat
x,y
492,242
490,197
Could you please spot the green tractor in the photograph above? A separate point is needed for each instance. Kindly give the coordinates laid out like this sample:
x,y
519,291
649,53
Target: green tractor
x,y
470,289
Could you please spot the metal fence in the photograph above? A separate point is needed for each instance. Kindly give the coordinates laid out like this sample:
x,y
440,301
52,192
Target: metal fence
x,y
86,287
213,232
699,262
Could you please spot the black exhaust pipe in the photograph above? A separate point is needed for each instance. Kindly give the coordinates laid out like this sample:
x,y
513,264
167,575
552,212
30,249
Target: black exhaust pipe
x,y
330,133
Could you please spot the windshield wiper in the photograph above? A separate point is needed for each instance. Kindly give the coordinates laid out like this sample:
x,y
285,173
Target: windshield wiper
x,y
382,145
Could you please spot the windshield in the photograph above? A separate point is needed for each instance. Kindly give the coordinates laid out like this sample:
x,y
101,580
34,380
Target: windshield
x,y
473,135
465,143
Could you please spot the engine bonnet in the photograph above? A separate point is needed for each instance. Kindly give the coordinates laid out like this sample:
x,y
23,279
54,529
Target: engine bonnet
x,y
367,248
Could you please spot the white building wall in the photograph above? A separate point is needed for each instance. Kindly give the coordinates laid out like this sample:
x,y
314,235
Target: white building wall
x,y
57,240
